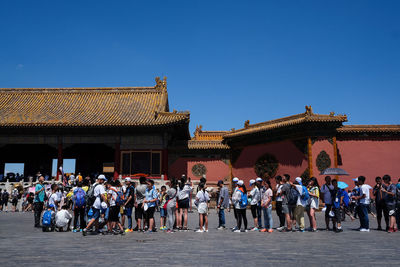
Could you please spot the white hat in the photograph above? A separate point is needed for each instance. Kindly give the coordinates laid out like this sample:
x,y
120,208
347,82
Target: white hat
x,y
240,182
298,179
258,179
102,177
235,180
128,179
252,181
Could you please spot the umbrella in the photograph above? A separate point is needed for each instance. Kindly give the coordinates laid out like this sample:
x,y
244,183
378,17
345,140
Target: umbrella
x,y
342,185
334,171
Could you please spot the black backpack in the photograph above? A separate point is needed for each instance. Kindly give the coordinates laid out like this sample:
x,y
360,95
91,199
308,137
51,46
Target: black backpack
x,y
90,197
293,195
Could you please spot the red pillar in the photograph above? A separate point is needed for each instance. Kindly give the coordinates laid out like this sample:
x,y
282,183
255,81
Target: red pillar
x,y
164,165
59,159
117,160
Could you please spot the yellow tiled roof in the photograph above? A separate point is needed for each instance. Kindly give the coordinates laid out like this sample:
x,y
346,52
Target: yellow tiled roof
x,y
87,107
369,129
308,116
206,144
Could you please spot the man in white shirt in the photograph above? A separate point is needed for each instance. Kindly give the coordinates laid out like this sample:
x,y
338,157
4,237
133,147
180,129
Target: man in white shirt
x,y
63,218
364,200
300,205
326,190
53,198
100,194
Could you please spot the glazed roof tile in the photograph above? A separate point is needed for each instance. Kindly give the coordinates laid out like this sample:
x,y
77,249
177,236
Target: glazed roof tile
x,y
369,129
87,107
308,116
206,144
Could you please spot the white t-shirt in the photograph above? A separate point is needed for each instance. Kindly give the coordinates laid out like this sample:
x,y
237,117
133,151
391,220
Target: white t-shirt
x,y
266,195
278,191
53,199
364,190
62,218
255,196
327,194
184,193
98,190
300,202
202,196
112,195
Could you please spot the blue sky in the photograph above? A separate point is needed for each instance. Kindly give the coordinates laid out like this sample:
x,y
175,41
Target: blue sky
x,y
226,61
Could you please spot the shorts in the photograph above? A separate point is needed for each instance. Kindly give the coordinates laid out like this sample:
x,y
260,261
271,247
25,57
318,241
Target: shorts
x,y
391,208
285,209
314,204
254,211
113,216
128,211
183,203
163,212
96,214
139,212
202,209
14,202
338,214
149,213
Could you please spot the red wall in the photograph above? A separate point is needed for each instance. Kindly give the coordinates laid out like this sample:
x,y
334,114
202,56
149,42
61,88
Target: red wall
x,y
370,158
317,147
216,169
291,160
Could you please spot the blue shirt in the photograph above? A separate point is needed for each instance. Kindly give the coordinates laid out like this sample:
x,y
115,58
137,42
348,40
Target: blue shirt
x,y
337,199
39,197
150,195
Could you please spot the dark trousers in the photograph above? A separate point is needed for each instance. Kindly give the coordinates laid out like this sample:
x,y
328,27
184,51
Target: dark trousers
x,y
37,209
363,215
382,208
398,214
241,214
259,215
280,214
79,213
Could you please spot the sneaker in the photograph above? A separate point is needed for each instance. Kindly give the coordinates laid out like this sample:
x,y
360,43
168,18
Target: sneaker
x,y
234,228
263,230
237,231
169,231
84,232
390,230
206,231
244,231
364,230
280,228
74,231
128,230
254,229
200,231
270,230
221,228
339,230
301,230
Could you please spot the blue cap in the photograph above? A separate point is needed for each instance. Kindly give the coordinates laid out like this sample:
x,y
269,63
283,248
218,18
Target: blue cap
x,y
50,206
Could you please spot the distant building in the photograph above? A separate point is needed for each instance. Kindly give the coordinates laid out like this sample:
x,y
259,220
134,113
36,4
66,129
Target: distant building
x,y
132,132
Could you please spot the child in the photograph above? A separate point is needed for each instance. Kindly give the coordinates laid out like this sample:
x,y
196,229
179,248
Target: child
x,y
48,219
202,199
163,212
63,218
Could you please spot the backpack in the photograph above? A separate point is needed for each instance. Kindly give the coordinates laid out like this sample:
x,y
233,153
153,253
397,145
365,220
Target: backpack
x,y
305,196
243,200
90,197
80,198
46,220
120,199
293,196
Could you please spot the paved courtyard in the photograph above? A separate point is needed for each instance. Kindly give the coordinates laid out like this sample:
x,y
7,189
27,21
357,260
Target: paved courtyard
x,y
21,244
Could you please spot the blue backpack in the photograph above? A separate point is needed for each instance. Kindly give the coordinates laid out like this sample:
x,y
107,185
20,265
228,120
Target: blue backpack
x,y
243,200
120,199
46,220
305,195
346,198
80,198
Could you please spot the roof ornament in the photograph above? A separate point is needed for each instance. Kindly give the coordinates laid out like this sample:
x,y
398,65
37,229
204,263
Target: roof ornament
x,y
199,129
161,84
332,114
246,124
233,129
309,111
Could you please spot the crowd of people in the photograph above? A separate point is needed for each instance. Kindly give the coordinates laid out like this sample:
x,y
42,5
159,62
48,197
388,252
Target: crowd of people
x,y
112,207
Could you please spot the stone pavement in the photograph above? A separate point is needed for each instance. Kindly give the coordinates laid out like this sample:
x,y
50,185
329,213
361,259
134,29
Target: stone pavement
x,y
20,244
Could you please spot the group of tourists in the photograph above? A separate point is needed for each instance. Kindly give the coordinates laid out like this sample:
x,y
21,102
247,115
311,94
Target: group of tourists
x,y
105,206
